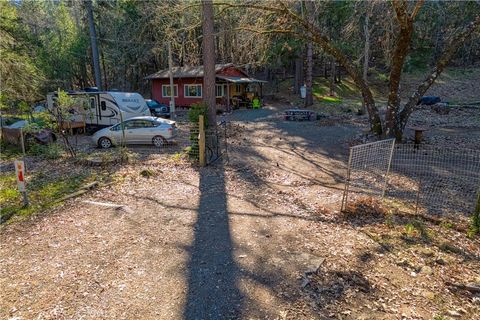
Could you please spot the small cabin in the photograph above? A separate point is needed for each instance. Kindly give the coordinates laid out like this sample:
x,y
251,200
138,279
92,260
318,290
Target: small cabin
x,y
234,87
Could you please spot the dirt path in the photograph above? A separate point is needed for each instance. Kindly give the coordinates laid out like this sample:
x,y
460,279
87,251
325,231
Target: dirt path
x,y
231,241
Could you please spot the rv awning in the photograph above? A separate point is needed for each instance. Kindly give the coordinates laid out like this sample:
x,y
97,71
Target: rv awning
x,y
240,79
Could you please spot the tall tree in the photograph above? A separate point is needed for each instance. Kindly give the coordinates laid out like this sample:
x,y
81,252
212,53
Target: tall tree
x,y
397,115
93,41
310,8
209,61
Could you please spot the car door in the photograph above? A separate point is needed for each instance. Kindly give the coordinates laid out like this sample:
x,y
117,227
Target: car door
x,y
131,133
146,131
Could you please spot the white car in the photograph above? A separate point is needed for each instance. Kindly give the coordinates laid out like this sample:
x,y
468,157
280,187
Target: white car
x,y
138,130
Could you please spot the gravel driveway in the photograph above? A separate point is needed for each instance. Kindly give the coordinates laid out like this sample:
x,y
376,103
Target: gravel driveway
x,y
230,241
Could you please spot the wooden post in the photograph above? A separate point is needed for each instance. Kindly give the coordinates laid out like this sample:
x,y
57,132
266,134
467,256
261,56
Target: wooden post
x,y
22,143
228,97
172,86
201,141
24,192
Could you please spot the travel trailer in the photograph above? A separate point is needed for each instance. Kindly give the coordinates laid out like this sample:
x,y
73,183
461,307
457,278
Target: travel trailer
x,y
100,109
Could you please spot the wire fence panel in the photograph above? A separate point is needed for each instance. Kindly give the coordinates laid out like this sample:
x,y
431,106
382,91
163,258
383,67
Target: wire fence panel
x,y
215,141
428,179
435,180
368,167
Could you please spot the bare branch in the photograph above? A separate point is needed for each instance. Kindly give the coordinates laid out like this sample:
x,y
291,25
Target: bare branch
x,y
416,9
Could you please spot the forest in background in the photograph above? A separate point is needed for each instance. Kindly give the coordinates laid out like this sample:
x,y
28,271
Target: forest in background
x,y
45,45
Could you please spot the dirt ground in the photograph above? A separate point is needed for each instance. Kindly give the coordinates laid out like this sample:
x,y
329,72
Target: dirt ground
x,y
256,237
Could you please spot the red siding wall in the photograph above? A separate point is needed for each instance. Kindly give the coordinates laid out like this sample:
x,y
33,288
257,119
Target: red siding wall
x,y
181,100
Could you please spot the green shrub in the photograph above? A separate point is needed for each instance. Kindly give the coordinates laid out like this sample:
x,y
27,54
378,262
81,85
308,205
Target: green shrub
x,y
196,110
51,151
475,220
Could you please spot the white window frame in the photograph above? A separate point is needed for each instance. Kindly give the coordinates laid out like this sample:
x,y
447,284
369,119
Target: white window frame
x,y
175,88
224,87
185,86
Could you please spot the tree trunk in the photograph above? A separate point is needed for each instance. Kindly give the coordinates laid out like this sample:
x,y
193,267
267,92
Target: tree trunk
x,y
399,55
105,82
332,78
316,36
309,5
308,75
366,48
366,53
453,46
298,81
93,42
209,62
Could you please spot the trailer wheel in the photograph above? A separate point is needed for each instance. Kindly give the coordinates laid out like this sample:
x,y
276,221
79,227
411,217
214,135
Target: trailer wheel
x,y
159,141
104,143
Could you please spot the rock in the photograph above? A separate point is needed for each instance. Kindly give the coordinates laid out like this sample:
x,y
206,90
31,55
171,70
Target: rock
x,y
462,311
429,295
426,270
305,282
315,265
454,313
426,252
440,261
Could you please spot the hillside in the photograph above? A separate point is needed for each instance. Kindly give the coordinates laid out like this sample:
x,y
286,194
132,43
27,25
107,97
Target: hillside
x,y
456,85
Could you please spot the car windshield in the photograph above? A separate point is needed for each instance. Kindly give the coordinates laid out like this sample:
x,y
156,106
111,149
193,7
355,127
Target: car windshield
x,y
18,124
153,103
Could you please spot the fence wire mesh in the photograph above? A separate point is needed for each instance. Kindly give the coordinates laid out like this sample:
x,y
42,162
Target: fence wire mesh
x,y
368,167
428,179
215,142
435,180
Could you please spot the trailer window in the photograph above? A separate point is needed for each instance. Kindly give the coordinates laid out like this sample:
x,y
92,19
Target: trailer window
x,y
92,103
103,105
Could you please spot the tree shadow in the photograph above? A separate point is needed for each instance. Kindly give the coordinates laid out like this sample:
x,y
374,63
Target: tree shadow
x,y
213,273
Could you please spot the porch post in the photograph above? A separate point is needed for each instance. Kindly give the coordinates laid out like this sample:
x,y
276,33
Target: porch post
x,y
228,97
261,90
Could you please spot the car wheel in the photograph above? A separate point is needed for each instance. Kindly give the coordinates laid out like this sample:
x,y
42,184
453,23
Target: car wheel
x,y
104,143
159,141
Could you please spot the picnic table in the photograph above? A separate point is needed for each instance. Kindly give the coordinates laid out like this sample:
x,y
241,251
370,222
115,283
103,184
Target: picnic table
x,y
300,115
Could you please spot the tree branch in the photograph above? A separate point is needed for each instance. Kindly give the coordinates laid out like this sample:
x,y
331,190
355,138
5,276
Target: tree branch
x,y
472,28
416,9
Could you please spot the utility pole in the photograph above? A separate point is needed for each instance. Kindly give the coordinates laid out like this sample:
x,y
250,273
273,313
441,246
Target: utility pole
x,y
93,42
172,87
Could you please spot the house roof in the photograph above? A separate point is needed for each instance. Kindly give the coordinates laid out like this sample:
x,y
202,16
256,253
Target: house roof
x,y
240,79
185,72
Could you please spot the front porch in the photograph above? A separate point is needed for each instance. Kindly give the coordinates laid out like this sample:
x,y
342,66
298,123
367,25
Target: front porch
x,y
235,92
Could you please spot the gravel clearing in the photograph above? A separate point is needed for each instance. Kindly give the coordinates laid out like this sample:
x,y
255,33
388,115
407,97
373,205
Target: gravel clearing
x,y
259,237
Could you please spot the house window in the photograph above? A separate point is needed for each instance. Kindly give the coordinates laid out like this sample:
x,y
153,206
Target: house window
x,y
238,88
193,90
166,90
220,90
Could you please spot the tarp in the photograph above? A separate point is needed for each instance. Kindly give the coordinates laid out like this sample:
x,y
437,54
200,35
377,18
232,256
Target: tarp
x,y
240,79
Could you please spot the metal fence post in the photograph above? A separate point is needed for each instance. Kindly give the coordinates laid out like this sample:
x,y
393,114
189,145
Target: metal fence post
x,y
201,140
347,183
388,169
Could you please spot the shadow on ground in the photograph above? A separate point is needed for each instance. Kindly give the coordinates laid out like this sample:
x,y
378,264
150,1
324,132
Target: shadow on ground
x,y
213,273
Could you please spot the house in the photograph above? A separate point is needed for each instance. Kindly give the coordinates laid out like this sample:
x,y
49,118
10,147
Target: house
x,y
231,82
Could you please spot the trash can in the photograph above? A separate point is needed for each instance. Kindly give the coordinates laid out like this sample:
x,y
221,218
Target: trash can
x,y
303,92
